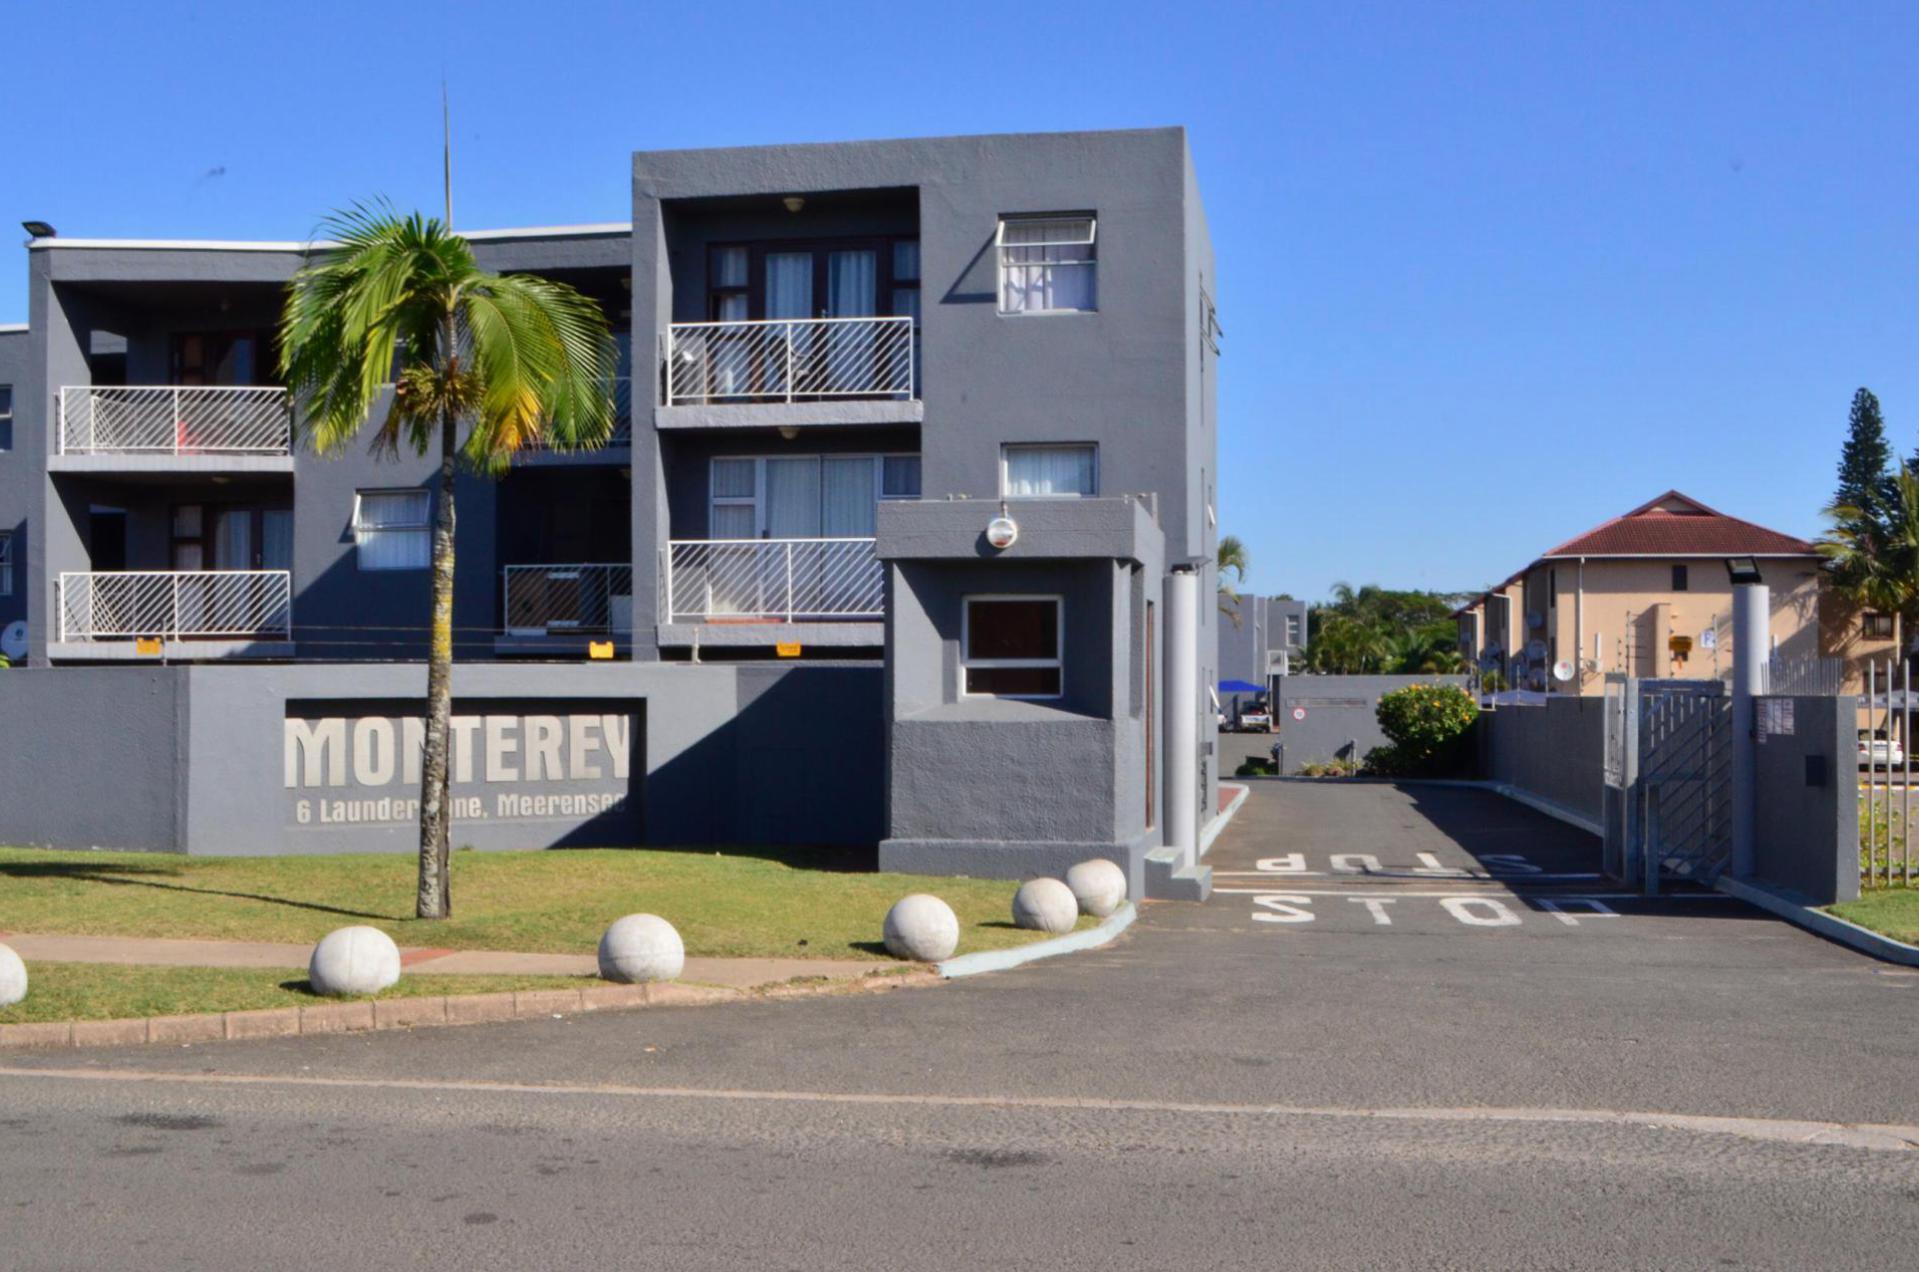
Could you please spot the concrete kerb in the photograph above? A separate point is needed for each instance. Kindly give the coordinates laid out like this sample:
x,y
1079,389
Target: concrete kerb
x,y
1071,943
366,1015
1830,926
1212,829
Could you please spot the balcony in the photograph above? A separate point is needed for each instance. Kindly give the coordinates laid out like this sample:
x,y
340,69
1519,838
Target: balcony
x,y
764,591
177,614
620,441
175,428
558,609
785,372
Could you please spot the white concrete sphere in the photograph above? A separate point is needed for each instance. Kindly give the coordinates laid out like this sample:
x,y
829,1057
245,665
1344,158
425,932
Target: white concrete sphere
x,y
923,928
641,948
1045,905
13,977
1098,885
354,960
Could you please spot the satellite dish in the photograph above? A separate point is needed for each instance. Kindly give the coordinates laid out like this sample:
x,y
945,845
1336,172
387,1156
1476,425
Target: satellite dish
x,y
13,641
1562,671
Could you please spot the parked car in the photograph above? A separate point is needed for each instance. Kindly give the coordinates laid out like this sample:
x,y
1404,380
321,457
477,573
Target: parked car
x,y
1878,750
1256,720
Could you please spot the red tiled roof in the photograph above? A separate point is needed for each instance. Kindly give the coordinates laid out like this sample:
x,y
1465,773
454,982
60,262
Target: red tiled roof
x,y
1674,525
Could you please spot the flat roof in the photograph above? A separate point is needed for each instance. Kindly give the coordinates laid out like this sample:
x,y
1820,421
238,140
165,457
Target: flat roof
x,y
266,245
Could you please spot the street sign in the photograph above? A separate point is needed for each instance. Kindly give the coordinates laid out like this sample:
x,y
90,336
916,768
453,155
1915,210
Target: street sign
x,y
1299,713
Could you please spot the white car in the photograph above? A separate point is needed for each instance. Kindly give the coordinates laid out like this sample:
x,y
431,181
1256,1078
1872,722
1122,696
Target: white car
x,y
1876,750
1257,720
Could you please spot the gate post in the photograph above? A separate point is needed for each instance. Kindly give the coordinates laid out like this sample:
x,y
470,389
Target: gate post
x,y
1751,610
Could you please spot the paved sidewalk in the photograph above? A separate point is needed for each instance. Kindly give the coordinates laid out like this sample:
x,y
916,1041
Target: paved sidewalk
x,y
731,973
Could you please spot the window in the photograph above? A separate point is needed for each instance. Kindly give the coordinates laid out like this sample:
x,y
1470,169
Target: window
x,y
1047,264
1552,587
906,278
392,529
1292,629
6,417
1010,647
1037,472
806,496
1878,627
1679,578
6,565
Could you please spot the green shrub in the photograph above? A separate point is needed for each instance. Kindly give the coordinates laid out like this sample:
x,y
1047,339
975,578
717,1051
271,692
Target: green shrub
x,y
1428,731
1254,767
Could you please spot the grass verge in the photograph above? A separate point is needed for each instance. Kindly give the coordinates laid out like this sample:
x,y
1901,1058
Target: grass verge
x,y
724,905
113,991
1892,912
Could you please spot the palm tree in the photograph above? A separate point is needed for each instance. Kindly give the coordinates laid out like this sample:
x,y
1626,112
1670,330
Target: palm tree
x,y
512,360
1872,554
1233,558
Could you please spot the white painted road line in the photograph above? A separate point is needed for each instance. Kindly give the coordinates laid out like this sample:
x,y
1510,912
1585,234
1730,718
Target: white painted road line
x,y
1881,1137
1455,892
1462,876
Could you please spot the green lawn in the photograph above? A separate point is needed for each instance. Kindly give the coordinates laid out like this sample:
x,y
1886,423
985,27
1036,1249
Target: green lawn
x,y
555,901
112,991
1892,912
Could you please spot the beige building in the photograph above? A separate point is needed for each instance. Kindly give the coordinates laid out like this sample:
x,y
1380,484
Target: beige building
x,y
1648,594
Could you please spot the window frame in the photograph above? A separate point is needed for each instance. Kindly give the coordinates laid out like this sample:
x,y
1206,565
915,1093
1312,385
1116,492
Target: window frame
x,y
1874,625
1056,663
6,418
757,500
1089,261
424,529
6,563
1005,469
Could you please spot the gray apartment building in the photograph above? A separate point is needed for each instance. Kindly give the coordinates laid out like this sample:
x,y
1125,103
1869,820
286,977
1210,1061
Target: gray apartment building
x,y
904,539
1260,638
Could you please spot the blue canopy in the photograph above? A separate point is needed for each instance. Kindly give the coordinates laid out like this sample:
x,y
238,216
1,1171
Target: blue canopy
x,y
1240,686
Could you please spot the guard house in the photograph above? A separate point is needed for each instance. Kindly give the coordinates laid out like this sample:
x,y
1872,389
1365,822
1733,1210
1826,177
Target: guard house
x,y
904,538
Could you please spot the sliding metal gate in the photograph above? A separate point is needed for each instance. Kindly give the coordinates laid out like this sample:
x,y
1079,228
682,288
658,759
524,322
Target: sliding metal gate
x,y
1668,769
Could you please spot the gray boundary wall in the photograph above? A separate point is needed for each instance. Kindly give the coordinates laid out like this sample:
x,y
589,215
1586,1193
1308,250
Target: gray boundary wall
x,y
205,760
1806,826
1341,711
1555,752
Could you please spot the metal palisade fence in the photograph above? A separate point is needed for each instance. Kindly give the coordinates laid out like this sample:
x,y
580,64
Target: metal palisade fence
x,y
1885,763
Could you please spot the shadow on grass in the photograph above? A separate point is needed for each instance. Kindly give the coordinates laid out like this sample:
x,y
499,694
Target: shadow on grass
x,y
870,947
125,877
830,858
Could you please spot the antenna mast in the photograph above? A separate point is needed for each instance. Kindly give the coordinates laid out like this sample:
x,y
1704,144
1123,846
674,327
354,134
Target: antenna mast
x,y
446,153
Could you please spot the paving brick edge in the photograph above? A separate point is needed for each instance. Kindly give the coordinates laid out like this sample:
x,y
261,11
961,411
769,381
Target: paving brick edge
x,y
373,1014
1071,943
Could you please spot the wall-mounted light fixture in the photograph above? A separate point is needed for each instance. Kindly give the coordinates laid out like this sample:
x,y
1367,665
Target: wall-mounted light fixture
x,y
793,202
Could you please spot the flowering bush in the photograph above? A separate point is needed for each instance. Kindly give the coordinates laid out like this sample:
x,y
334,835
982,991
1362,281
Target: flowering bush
x,y
1428,731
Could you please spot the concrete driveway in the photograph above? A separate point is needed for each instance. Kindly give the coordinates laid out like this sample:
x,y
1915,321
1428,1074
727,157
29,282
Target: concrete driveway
x,y
1684,1085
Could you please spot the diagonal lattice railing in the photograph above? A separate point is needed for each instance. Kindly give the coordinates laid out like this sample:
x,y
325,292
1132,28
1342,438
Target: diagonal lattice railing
x,y
773,580
568,598
175,604
787,360
175,420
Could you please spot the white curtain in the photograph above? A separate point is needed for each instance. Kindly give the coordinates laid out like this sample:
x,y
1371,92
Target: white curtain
x,y
738,516
233,540
848,498
1046,265
1049,470
392,530
789,285
793,498
852,284
902,477
276,539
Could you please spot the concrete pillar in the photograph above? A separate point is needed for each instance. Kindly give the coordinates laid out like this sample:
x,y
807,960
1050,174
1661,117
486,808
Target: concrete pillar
x,y
1751,615
1181,826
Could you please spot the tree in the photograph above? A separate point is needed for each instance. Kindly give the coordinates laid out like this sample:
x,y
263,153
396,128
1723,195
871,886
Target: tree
x,y
512,360
1374,629
1865,462
1872,555
1233,558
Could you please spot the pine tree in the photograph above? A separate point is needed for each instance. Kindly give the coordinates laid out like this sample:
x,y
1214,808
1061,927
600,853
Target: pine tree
x,y
1865,477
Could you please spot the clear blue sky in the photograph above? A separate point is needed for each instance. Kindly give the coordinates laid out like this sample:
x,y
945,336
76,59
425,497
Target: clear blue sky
x,y
1490,273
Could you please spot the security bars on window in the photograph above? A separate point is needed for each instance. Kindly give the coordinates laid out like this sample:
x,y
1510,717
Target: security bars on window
x,y
772,580
175,420
789,360
176,604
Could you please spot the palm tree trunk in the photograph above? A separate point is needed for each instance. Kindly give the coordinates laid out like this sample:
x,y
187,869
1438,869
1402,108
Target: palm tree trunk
x,y
435,900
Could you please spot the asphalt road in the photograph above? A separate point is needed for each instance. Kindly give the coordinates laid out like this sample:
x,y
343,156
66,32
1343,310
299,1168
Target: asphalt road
x,y
1518,1067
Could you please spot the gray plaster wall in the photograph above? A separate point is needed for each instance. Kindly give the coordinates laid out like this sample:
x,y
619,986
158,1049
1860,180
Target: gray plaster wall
x,y
92,758
1555,752
193,759
1806,823
1340,711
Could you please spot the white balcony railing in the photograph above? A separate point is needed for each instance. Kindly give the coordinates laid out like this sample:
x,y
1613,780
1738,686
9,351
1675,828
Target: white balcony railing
x,y
772,580
175,420
176,604
789,360
550,599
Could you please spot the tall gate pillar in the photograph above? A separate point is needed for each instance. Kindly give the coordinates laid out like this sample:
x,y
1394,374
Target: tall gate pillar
x,y
1751,618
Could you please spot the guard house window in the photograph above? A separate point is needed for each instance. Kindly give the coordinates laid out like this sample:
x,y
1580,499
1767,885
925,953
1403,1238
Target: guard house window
x,y
1679,578
391,529
6,417
1878,627
1048,264
6,565
1010,647
1049,472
